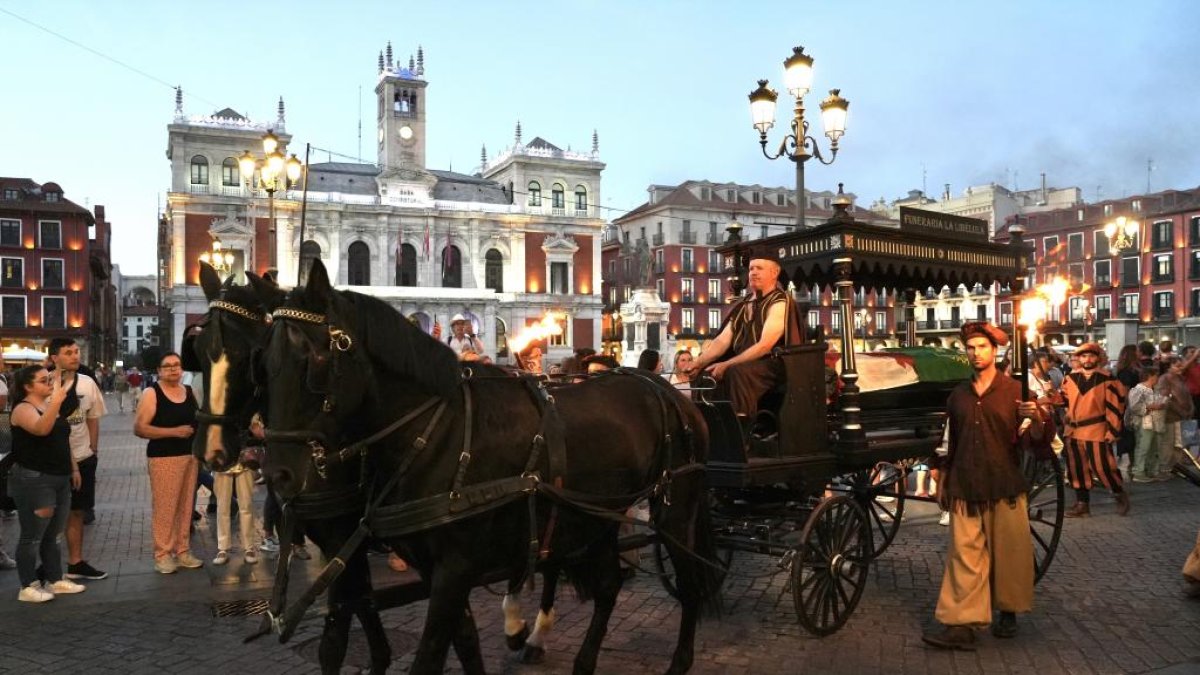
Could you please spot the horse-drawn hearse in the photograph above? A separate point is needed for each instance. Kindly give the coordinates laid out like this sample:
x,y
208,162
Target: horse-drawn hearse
x,y
479,474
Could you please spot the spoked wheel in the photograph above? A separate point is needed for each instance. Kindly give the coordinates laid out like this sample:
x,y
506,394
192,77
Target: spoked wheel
x,y
666,571
1047,496
829,568
880,492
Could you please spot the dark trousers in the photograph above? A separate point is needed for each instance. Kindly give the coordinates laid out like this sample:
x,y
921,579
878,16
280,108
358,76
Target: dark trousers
x,y
35,490
745,383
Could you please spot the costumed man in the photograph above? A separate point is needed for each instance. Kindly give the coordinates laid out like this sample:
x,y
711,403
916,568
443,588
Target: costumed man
x,y
465,345
1092,424
989,565
755,326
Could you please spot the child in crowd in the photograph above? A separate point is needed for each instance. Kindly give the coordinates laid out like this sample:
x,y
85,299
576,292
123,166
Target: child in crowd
x,y
1145,413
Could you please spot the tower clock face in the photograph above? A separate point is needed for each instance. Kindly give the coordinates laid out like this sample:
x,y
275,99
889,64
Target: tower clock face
x,y
406,132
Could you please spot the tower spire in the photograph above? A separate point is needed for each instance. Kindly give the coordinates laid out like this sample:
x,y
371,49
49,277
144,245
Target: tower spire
x,y
282,116
178,101
518,134
483,157
381,60
420,60
595,143
389,54
412,65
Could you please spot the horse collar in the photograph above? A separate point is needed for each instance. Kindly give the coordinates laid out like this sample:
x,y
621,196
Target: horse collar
x,y
235,309
339,340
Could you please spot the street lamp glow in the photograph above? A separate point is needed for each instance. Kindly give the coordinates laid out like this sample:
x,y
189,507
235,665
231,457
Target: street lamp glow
x,y
798,72
270,143
273,167
248,164
834,111
762,107
294,168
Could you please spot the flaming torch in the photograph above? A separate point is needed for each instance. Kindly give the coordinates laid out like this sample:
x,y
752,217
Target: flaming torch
x,y
1032,310
548,326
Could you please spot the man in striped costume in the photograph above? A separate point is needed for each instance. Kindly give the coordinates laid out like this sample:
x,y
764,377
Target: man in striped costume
x,y
1095,407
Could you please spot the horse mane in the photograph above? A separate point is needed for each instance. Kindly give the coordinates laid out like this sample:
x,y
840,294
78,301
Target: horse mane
x,y
243,296
402,349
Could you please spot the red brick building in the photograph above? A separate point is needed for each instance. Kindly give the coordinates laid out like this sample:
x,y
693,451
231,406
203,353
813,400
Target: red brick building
x,y
1156,280
45,266
681,226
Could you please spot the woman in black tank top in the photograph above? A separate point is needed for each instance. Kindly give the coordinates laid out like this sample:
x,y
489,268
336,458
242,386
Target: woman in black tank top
x,y
166,416
41,481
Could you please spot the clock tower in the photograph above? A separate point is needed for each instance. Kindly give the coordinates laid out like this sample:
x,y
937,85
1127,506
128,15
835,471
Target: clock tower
x,y
400,96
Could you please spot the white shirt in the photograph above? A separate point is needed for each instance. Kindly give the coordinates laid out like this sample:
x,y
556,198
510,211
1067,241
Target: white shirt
x,y
91,406
465,344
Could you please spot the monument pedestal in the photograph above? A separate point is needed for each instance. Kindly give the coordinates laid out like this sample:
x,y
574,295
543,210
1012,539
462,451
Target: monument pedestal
x,y
645,318
1118,333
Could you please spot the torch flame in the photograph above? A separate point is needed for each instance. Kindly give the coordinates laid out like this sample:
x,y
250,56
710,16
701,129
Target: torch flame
x,y
1032,310
548,325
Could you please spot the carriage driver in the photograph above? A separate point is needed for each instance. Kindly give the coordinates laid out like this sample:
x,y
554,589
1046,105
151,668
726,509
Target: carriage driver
x,y
755,326
989,564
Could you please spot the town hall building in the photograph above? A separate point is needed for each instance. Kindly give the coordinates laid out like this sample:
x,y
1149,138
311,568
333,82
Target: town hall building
x,y
504,246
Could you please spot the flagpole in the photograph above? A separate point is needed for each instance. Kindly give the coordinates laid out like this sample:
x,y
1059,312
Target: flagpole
x,y
303,213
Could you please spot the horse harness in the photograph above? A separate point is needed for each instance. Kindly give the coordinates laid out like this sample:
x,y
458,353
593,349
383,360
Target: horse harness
x,y
460,502
242,417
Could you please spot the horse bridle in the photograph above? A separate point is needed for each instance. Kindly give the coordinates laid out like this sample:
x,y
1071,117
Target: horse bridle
x,y
241,418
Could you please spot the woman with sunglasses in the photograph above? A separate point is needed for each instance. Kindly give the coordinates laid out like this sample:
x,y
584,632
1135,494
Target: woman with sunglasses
x,y
166,417
41,481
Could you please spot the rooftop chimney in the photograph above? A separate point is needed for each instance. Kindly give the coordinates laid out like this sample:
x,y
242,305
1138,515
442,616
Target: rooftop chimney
x,y
946,193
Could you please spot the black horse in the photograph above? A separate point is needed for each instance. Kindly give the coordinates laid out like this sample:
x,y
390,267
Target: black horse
x,y
221,347
457,462
231,331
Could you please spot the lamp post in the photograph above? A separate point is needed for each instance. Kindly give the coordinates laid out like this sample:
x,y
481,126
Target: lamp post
x,y
219,257
274,173
863,317
798,146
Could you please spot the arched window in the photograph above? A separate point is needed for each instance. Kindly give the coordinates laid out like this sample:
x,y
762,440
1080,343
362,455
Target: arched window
x,y
493,276
230,174
358,264
535,193
199,170
501,338
558,196
406,266
451,267
580,198
309,251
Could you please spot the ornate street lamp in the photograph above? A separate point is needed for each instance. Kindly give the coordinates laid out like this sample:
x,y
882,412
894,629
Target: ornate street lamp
x,y
274,172
798,146
219,257
1122,235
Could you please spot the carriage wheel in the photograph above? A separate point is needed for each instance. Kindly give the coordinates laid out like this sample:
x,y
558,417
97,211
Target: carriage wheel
x,y
829,568
1047,496
666,571
881,493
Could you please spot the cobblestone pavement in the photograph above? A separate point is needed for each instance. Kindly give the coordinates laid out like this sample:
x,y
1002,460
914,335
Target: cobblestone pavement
x,y
1111,603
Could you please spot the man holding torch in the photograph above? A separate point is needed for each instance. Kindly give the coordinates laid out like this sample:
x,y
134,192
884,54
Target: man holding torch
x,y
1095,408
990,561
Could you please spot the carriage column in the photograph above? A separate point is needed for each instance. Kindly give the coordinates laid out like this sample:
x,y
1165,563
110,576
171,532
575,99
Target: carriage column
x,y
851,413
910,317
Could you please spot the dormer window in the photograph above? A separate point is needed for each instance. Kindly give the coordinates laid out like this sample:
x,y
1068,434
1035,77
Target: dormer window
x,y
53,196
729,195
705,194
11,195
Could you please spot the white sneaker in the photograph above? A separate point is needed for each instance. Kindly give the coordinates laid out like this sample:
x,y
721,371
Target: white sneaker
x,y
64,587
945,519
251,557
221,558
34,593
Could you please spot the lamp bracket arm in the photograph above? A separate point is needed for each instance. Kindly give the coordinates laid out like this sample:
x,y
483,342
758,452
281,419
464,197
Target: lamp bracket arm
x,y
816,152
779,153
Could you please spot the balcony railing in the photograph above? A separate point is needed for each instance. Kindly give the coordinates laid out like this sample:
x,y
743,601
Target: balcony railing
x,y
582,213
688,299
714,239
688,268
658,239
1164,315
687,237
558,211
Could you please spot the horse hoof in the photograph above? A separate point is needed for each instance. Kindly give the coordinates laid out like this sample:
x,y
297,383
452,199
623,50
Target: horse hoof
x,y
533,655
517,641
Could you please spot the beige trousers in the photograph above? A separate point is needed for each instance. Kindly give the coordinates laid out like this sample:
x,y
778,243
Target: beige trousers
x,y
989,565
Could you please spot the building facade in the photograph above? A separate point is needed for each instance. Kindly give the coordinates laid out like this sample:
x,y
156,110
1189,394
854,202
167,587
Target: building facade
x,y
46,270
1156,280
103,310
669,244
504,246
139,315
